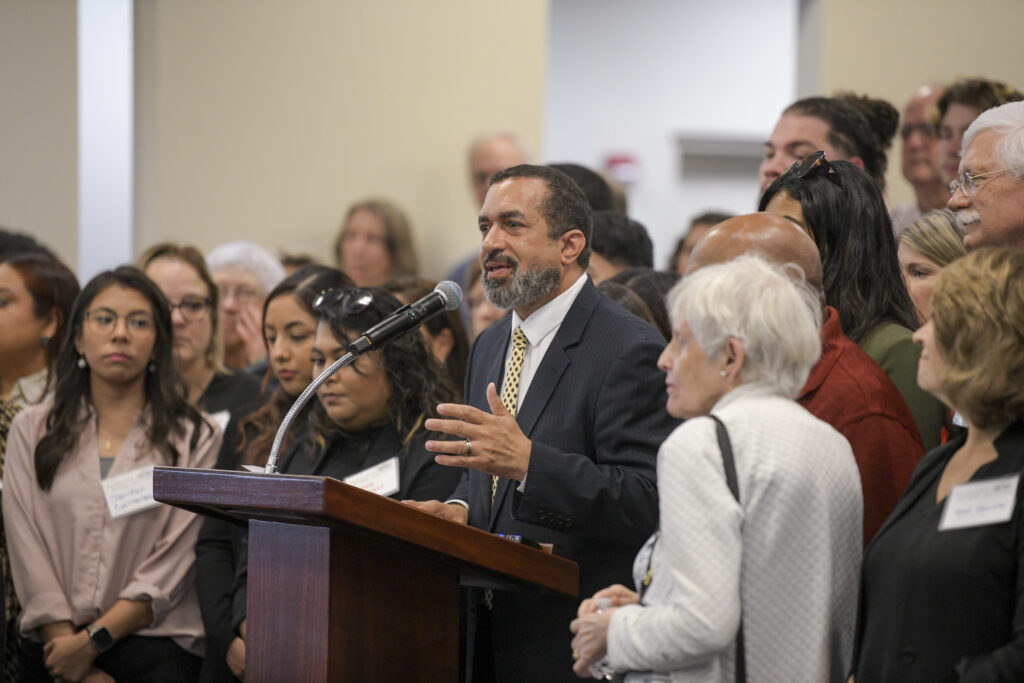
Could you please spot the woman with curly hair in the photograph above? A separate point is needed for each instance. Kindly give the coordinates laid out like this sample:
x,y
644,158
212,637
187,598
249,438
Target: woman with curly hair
x,y
373,410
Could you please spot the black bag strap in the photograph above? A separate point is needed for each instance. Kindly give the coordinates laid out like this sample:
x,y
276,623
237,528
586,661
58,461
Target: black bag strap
x,y
725,445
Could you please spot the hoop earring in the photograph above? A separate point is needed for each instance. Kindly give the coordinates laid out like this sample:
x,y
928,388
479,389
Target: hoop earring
x,y
81,362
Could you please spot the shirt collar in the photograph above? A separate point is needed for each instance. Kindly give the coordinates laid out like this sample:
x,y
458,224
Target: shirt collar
x,y
29,390
541,322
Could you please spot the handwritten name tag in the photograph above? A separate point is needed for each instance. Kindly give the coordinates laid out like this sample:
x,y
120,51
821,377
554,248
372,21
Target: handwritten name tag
x,y
980,503
130,492
381,479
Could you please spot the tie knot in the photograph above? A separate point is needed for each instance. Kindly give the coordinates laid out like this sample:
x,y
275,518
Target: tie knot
x,y
519,339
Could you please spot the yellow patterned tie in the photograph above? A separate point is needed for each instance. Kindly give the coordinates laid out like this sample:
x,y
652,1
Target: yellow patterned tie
x,y
510,391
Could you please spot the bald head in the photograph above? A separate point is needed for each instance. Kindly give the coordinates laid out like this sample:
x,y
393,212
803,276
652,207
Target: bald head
x,y
489,154
774,238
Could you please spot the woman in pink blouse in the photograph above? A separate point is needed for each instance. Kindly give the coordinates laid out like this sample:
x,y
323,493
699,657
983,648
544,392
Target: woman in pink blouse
x,y
103,573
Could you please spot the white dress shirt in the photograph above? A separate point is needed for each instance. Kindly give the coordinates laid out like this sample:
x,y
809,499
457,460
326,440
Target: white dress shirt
x,y
540,328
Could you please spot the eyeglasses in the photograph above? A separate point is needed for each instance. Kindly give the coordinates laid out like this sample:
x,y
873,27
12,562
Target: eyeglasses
x,y
926,130
192,308
346,300
242,294
967,182
807,166
104,320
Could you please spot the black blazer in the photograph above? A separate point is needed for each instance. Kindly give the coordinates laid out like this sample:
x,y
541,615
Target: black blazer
x,y
595,412
953,609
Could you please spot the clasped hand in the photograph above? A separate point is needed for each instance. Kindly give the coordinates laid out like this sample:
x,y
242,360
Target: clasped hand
x,y
498,445
590,628
69,657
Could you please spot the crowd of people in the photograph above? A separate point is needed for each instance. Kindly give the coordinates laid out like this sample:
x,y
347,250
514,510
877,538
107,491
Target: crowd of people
x,y
793,454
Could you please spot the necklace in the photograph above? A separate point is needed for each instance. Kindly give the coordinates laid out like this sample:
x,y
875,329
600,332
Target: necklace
x,y
106,442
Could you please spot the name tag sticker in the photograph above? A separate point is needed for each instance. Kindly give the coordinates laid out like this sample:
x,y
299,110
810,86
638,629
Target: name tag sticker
x,y
130,492
980,503
381,479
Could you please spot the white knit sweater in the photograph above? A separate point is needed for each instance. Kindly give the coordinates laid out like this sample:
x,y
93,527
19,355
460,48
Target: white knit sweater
x,y
792,551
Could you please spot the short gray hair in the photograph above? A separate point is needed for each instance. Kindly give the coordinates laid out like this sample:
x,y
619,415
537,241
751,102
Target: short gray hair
x,y
770,309
514,138
250,256
1008,121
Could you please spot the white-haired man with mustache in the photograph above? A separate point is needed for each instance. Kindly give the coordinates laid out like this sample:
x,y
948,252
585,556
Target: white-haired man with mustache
x,y
988,196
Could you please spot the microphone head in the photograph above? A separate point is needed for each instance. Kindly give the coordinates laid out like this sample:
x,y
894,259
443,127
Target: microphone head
x,y
451,293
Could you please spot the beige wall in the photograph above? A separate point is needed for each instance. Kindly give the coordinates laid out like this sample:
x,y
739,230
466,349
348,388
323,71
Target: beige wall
x,y
264,120
38,122
888,49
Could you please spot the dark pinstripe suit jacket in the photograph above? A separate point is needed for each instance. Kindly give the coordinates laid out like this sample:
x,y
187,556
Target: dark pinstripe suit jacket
x,y
595,413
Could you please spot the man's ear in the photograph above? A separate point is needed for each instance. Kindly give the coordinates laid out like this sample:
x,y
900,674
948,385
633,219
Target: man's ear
x,y
572,243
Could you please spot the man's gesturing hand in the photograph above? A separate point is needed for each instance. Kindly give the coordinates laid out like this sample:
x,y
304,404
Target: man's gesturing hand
x,y
496,444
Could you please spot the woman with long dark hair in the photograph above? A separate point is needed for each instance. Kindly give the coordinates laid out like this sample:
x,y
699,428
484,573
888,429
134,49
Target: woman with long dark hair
x,y
289,327
843,211
103,572
37,292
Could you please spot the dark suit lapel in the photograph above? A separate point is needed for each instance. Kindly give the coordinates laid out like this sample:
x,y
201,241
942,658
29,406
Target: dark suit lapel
x,y
549,372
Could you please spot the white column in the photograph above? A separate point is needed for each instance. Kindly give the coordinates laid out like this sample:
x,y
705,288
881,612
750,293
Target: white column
x,y
105,135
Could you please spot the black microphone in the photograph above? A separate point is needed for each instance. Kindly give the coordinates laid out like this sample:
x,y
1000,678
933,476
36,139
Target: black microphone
x,y
446,297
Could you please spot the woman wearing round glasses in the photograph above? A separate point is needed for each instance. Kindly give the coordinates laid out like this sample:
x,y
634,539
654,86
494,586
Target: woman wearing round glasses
x,y
843,211
942,581
103,572
181,274
289,327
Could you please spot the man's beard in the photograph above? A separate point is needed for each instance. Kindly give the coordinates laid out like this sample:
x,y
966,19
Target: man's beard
x,y
520,288
966,217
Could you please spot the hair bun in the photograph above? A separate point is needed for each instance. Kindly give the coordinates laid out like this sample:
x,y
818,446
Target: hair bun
x,y
881,115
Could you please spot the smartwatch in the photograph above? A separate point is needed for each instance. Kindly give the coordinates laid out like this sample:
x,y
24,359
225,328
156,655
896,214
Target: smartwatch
x,y
100,637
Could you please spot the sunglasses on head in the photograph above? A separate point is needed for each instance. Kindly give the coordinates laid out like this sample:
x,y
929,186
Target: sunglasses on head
x,y
809,164
346,300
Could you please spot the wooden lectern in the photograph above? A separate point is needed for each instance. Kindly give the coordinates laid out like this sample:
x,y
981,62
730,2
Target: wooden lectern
x,y
346,585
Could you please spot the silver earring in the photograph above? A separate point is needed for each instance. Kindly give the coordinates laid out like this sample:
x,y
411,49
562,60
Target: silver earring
x,y
724,374
152,366
81,362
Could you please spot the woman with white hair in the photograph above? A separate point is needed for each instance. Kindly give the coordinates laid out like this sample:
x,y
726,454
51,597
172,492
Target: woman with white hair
x,y
753,569
244,272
